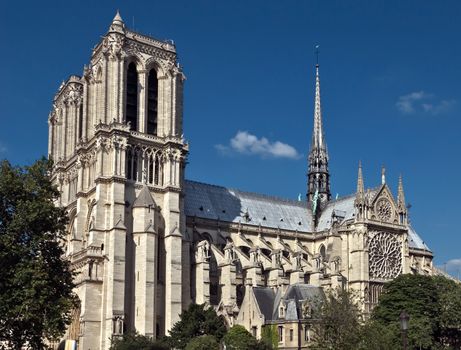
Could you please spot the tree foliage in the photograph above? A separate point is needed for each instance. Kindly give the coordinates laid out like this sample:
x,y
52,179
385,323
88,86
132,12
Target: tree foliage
x,y
36,285
434,306
205,342
194,322
133,341
269,336
338,325
239,338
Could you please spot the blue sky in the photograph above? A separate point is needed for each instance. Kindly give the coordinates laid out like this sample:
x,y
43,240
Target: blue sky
x,y
390,82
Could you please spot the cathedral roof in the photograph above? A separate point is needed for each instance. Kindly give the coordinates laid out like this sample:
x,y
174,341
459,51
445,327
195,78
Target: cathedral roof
x,y
217,202
341,207
414,241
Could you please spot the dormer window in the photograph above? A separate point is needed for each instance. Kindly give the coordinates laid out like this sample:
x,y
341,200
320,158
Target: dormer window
x,y
282,310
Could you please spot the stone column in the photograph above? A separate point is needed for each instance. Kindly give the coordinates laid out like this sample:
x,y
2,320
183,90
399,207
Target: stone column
x,y
254,270
114,270
145,267
142,100
173,259
202,272
228,283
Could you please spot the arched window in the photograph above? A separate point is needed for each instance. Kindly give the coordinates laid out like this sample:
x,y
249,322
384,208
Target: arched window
x,y
80,123
152,99
129,164
151,169
132,96
135,166
322,252
158,171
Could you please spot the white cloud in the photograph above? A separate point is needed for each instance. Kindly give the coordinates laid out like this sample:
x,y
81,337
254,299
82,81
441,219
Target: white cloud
x,y
421,101
442,107
245,143
3,149
452,267
454,264
406,103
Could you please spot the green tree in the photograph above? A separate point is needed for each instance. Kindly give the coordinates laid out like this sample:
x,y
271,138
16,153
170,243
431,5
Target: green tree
x,y
239,338
133,341
338,325
36,296
205,342
375,336
269,336
194,322
434,306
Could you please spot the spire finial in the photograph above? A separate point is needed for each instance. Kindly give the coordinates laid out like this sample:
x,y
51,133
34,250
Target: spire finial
x,y
317,55
383,175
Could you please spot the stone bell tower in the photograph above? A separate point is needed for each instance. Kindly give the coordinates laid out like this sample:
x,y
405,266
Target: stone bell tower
x,y
115,134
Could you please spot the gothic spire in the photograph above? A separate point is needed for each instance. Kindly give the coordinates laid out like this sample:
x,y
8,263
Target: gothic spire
x,y
318,140
318,187
360,185
401,195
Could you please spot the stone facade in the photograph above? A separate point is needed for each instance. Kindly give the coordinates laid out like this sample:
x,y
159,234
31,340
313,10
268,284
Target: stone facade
x,y
147,243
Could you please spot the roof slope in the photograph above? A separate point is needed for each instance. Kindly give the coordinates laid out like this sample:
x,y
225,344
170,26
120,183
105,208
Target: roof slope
x,y
217,202
231,205
414,241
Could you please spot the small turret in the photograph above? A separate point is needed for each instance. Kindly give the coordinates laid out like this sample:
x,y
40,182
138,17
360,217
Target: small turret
x,y
117,24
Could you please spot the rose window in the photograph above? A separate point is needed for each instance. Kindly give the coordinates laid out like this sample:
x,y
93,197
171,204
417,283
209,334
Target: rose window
x,y
385,253
384,209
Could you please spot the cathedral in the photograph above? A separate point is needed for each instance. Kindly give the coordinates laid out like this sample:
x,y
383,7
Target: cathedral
x,y
146,242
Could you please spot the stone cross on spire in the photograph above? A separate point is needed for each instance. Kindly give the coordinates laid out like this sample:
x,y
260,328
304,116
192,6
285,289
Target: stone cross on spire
x,y
318,186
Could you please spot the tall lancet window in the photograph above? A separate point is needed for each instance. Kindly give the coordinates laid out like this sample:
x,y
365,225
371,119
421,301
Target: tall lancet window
x,y
132,96
152,98
80,123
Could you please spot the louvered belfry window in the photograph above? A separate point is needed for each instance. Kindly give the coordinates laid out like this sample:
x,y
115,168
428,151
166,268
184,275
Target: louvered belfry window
x,y
152,102
132,96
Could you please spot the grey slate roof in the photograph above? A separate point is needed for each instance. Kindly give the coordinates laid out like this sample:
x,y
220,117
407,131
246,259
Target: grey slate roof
x,y
265,298
340,207
269,302
414,241
144,199
217,202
